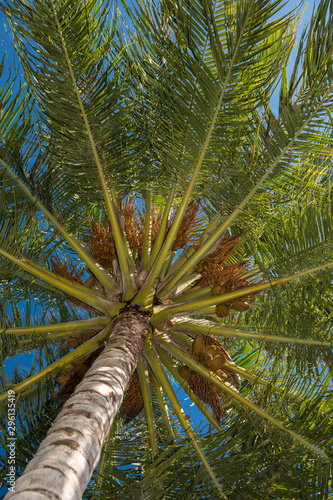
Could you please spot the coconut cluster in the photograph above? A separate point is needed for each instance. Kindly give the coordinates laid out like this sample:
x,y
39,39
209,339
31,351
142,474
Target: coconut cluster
x,y
212,355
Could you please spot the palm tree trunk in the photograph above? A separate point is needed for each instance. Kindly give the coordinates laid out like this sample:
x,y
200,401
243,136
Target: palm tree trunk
x,y
65,460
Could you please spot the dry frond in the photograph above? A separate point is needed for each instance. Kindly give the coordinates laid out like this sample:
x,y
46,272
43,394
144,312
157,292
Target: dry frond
x,y
76,340
208,393
133,401
67,385
68,381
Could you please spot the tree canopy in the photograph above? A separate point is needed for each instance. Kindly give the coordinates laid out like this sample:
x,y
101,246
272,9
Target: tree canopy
x,y
142,166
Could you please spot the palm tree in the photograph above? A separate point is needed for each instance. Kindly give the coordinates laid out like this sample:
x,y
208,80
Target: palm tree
x,y
163,227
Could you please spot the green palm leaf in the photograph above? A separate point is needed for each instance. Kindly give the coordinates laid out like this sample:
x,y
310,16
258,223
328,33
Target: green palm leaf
x,y
153,205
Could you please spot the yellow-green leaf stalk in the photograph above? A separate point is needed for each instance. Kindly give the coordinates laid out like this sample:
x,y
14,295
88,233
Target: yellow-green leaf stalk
x,y
225,331
184,385
101,274
146,396
128,280
162,229
192,295
163,408
147,231
65,286
157,369
59,330
161,313
231,391
90,346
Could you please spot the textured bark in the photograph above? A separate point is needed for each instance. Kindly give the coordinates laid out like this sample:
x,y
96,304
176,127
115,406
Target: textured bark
x,y
65,460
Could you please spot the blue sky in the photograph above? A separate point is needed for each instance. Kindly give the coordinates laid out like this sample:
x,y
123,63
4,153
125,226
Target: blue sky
x,y
24,361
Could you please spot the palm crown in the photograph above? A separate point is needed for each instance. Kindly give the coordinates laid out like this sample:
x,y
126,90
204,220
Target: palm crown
x,y
146,177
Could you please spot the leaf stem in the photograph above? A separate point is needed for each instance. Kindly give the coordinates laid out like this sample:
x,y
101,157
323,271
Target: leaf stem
x,y
146,395
163,407
159,241
147,230
64,329
231,391
101,274
152,359
128,282
225,331
84,349
65,286
161,313
184,385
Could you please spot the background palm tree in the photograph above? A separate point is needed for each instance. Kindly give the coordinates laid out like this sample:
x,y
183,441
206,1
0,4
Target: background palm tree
x,y
149,196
